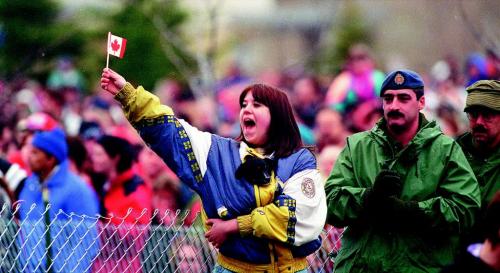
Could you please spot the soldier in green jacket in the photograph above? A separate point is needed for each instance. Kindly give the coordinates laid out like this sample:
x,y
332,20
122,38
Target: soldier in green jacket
x,y
482,144
404,190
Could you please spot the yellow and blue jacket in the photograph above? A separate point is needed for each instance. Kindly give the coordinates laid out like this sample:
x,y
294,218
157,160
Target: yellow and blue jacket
x,y
279,222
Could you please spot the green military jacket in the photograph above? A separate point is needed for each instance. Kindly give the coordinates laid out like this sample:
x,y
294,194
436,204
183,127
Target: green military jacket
x,y
435,173
487,169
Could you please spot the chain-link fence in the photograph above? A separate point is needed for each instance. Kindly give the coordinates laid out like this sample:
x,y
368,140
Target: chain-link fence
x,y
98,244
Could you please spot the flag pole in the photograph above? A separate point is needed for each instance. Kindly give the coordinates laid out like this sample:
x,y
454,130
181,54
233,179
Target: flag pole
x,y
107,50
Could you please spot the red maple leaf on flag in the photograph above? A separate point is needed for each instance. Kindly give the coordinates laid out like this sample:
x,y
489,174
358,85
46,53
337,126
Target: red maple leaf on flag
x,y
115,45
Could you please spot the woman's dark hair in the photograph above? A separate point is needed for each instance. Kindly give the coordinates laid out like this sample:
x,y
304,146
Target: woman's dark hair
x,y
283,135
77,151
116,146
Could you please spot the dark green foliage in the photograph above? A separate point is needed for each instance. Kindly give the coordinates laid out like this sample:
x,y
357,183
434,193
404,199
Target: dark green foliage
x,y
33,37
350,29
145,61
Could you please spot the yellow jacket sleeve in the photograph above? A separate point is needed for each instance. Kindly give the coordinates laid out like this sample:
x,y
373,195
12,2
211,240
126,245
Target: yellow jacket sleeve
x,y
139,104
295,217
268,222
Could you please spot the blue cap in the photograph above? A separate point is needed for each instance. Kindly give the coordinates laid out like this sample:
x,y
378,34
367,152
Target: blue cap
x,y
402,79
52,142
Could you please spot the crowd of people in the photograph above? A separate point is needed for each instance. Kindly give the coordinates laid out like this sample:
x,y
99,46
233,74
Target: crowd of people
x,y
361,150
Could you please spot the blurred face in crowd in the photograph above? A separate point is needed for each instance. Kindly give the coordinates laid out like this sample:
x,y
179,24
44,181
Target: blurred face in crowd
x,y
101,162
189,261
304,92
360,63
39,161
485,126
359,60
401,109
327,158
255,119
329,128
153,164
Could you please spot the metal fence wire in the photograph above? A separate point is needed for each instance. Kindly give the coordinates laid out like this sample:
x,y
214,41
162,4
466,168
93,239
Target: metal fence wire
x,y
75,243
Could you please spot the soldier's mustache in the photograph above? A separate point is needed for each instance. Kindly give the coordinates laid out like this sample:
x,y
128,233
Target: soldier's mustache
x,y
479,129
395,114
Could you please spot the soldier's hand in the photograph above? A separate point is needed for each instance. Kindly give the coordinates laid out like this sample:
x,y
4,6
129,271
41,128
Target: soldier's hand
x,y
387,183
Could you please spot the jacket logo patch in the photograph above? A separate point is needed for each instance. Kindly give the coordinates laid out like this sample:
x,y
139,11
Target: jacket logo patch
x,y
307,187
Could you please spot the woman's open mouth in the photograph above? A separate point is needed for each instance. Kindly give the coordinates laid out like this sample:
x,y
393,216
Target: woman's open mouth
x,y
248,123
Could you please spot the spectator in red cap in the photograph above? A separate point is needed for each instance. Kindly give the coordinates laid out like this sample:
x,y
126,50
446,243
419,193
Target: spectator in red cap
x,y
40,121
36,122
14,168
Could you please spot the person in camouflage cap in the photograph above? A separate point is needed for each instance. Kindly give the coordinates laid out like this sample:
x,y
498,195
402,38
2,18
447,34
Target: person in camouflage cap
x,y
481,144
485,94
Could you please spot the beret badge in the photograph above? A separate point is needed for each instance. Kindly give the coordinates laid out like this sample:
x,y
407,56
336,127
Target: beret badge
x,y
399,79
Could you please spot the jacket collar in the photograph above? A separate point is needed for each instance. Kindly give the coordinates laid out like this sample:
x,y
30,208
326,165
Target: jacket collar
x,y
57,176
245,150
465,141
427,132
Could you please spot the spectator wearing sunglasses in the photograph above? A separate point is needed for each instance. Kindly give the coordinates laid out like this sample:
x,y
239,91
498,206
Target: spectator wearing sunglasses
x,y
481,144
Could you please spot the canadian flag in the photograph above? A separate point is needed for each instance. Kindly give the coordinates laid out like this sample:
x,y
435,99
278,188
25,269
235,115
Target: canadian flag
x,y
116,45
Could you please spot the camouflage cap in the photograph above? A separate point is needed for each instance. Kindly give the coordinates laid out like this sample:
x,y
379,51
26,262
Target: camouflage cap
x,y
484,93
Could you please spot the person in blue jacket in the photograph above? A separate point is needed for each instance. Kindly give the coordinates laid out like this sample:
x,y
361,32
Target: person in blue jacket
x,y
58,211
262,193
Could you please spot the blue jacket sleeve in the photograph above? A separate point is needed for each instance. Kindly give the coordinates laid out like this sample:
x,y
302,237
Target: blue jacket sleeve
x,y
183,148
